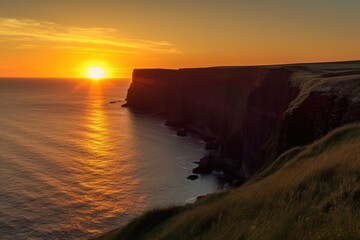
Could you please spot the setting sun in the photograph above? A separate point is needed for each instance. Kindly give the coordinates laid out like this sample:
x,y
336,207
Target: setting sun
x,y
95,73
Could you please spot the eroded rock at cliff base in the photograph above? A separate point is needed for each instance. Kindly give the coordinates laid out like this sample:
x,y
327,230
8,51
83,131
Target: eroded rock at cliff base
x,y
205,166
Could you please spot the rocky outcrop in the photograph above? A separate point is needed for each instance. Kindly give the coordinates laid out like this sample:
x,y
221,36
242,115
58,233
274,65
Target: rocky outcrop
x,y
321,112
250,115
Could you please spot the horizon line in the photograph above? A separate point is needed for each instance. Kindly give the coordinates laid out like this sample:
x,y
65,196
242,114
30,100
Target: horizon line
x,y
208,66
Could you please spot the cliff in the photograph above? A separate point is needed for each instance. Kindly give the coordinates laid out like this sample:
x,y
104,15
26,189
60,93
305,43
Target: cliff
x,y
282,124
254,113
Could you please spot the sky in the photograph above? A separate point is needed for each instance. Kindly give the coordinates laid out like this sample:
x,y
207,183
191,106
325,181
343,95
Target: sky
x,y
43,38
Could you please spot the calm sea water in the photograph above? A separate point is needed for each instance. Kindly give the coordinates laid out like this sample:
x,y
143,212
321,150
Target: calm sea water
x,y
73,166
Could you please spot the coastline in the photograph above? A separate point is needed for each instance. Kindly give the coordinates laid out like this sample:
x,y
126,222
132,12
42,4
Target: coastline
x,y
248,115
305,158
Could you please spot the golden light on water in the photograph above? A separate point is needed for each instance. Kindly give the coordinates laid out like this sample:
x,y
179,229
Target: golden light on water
x,y
102,168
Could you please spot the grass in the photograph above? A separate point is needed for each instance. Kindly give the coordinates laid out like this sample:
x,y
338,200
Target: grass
x,y
319,77
310,192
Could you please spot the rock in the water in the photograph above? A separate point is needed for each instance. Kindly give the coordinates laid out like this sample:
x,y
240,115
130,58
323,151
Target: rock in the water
x,y
193,177
181,133
112,102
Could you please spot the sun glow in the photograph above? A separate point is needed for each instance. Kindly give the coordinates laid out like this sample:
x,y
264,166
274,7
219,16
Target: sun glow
x,y
95,73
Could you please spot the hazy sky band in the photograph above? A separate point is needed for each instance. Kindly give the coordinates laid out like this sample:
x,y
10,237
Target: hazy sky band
x,y
130,34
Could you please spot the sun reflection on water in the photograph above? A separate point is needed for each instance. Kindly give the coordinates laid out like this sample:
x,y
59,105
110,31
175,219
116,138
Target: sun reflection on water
x,y
102,169
97,132
75,166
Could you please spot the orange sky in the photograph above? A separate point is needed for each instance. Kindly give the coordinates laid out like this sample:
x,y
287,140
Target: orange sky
x,y
64,38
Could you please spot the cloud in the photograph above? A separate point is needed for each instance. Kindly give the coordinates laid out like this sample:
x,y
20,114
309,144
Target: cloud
x,y
105,40
94,50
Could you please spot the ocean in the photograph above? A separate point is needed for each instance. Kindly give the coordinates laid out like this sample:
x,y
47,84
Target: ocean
x,y
73,165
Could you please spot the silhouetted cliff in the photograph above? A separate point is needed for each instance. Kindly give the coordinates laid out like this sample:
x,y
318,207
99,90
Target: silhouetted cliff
x,y
255,113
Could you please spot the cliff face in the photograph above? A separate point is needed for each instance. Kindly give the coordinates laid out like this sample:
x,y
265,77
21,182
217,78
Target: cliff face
x,y
321,112
211,101
256,113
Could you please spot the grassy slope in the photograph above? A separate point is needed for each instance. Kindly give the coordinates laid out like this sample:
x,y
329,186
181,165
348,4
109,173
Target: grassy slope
x,y
310,192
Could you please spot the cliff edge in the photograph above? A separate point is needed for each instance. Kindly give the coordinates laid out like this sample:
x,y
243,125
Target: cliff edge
x,y
251,114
